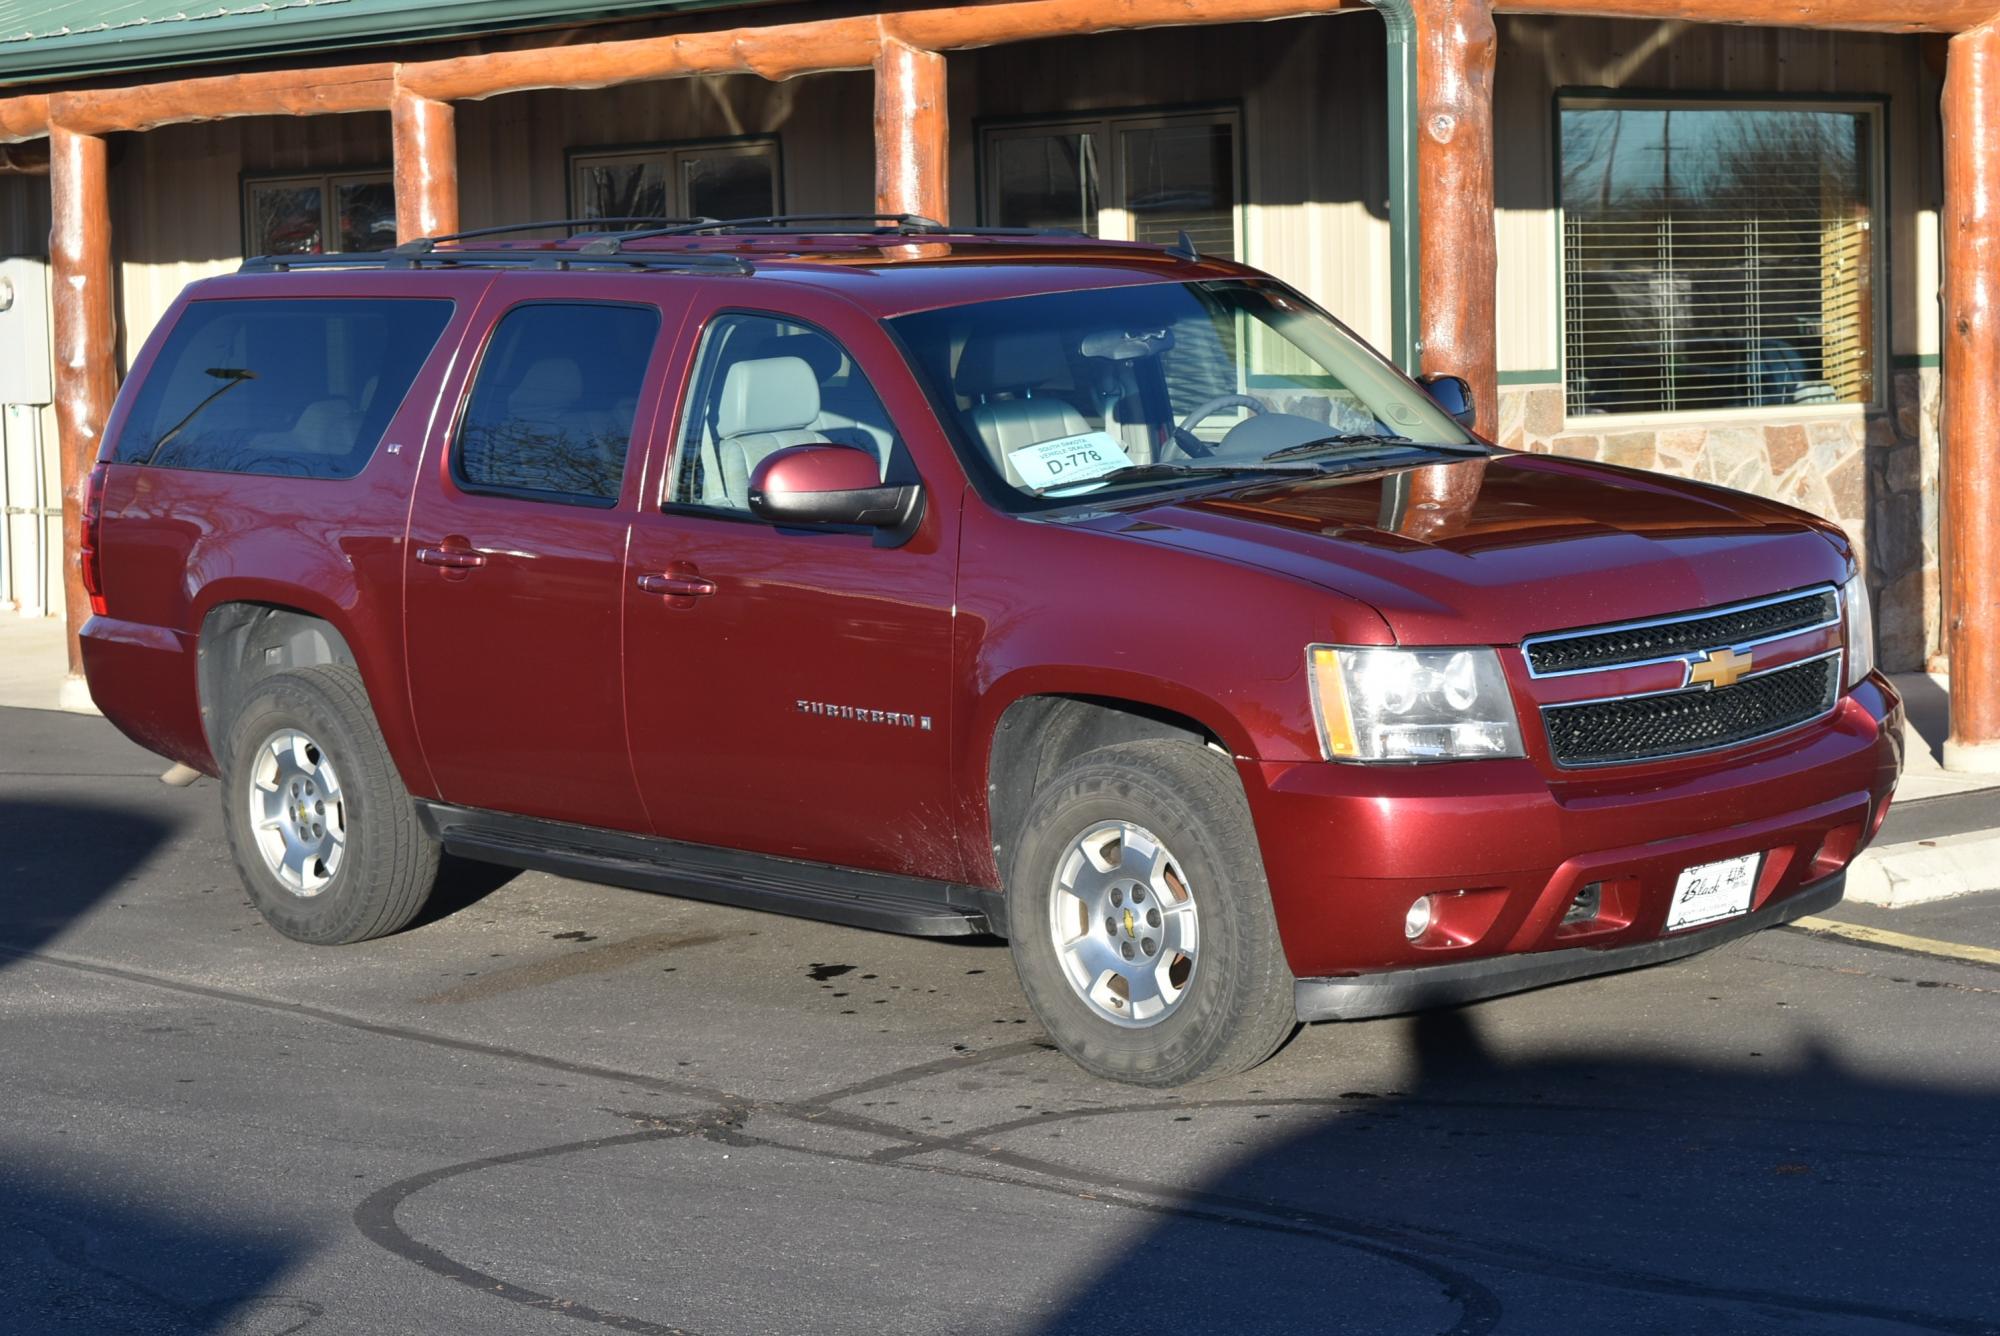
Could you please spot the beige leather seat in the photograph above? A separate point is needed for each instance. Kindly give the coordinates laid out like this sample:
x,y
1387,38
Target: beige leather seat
x,y
1021,366
767,405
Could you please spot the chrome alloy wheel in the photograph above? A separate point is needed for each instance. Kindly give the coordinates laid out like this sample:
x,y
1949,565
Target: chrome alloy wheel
x,y
298,815
1124,924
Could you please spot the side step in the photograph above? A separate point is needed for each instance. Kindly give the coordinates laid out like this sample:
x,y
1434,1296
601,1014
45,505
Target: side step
x,y
887,903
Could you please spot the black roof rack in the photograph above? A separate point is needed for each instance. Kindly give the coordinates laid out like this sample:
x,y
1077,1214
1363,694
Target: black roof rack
x,y
419,245
500,258
814,224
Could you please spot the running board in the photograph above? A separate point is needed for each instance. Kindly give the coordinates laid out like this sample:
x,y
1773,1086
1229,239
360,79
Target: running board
x,y
882,901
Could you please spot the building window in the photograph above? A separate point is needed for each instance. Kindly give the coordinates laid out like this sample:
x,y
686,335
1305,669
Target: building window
x,y
1126,178
734,179
306,215
1718,257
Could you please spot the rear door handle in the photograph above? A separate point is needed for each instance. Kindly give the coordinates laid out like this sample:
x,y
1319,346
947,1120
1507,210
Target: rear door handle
x,y
452,558
677,586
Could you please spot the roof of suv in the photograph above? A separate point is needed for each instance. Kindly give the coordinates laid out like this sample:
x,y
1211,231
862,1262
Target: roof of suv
x,y
890,270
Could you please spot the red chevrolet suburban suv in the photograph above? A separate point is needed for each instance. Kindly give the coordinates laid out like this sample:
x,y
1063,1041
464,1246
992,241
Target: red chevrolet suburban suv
x,y
948,581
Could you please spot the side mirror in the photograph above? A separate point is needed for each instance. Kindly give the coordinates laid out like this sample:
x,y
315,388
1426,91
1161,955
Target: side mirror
x,y
827,484
1454,396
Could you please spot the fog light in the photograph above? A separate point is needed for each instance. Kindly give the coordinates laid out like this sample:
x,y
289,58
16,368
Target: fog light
x,y
1418,920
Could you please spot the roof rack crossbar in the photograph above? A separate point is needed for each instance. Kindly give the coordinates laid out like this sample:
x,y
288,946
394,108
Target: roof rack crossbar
x,y
420,245
522,258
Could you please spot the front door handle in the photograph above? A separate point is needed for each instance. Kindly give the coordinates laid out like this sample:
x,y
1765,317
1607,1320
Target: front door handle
x,y
451,558
677,584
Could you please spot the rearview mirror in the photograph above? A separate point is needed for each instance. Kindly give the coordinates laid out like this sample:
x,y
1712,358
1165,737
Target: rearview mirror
x,y
827,484
1454,395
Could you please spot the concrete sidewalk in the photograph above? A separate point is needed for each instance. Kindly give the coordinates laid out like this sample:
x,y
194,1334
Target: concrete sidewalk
x,y
1937,842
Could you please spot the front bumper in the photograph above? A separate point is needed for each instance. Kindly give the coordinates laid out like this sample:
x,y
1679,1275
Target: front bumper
x,y
1398,992
1505,849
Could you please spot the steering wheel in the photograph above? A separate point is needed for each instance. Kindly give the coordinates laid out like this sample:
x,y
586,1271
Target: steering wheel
x,y
1184,434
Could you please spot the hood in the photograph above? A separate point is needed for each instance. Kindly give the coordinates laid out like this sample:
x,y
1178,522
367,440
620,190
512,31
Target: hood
x,y
1488,551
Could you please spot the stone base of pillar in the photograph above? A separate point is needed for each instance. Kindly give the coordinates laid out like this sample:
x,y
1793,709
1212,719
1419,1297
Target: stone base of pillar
x,y
1975,758
75,697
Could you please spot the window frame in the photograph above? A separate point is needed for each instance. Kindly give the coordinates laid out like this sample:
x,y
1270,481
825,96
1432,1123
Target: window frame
x,y
329,183
470,385
1873,106
989,130
672,149
693,390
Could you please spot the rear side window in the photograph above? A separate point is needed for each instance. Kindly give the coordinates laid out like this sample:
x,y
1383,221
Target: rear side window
x,y
301,388
551,412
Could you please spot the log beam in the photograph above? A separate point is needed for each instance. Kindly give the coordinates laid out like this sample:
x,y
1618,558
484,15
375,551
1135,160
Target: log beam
x,y
1971,469
1894,16
912,148
86,344
424,139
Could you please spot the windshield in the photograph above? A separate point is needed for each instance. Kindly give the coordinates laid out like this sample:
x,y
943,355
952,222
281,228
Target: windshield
x,y
1089,393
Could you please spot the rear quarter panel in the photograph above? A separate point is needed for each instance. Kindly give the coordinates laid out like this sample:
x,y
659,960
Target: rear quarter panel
x,y
179,542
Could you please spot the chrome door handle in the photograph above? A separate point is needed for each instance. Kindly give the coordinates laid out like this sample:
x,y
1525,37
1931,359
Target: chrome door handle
x,y
677,586
452,558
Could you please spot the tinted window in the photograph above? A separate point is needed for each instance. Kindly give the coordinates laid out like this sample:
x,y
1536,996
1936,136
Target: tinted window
x,y
300,388
552,408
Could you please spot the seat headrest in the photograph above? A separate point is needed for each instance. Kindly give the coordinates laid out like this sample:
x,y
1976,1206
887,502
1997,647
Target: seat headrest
x,y
550,385
815,350
1023,360
767,394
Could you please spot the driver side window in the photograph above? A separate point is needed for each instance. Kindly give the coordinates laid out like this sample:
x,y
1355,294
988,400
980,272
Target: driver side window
x,y
763,384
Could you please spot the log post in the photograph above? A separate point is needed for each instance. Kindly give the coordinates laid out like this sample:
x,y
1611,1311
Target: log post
x,y
1458,255
425,146
86,349
911,131
1972,395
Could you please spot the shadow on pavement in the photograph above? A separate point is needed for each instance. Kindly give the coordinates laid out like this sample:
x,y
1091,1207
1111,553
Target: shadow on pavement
x,y
1585,1194
80,1264
60,858
78,1256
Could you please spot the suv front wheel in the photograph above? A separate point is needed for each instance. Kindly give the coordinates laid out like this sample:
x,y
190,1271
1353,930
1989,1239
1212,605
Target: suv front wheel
x,y
1140,921
323,832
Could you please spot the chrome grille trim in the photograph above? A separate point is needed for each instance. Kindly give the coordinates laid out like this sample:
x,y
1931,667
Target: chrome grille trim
x,y
1839,677
1686,656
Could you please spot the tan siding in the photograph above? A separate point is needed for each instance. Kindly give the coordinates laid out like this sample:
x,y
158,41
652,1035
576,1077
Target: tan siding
x,y
1312,93
24,215
513,150
1540,56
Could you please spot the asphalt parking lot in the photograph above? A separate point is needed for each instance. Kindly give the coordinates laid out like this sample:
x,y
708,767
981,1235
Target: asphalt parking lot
x,y
557,1108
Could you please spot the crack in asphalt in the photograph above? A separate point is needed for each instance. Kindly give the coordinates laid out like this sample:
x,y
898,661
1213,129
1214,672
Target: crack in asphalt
x,y
1417,1248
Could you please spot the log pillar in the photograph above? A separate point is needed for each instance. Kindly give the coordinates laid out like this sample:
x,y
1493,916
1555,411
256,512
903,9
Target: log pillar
x,y
1972,395
425,146
86,348
1458,255
911,132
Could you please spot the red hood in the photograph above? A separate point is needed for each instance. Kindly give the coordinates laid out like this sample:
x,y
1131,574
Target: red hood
x,y
1487,551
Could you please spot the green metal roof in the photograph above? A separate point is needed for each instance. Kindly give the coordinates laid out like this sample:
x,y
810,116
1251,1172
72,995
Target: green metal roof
x,y
42,41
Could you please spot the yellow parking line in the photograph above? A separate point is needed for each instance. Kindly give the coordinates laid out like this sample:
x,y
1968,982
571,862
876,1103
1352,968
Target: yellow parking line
x,y
1928,946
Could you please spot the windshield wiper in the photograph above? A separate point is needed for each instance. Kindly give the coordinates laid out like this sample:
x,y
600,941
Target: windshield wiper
x,y
1149,472
1349,439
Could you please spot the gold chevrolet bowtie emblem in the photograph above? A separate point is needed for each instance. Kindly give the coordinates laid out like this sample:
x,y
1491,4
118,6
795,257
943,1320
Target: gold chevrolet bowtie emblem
x,y
1718,668
1131,927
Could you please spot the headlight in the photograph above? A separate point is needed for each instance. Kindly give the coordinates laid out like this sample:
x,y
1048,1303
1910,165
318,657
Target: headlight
x,y
1858,628
1411,704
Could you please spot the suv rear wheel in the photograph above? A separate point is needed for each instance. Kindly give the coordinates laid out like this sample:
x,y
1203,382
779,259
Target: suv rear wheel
x,y
1140,920
323,832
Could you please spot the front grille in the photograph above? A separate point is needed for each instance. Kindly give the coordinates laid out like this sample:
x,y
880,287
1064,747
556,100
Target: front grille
x,y
1665,639
1674,723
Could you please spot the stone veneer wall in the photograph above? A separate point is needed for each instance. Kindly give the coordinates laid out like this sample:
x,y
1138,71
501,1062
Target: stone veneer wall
x,y
1874,475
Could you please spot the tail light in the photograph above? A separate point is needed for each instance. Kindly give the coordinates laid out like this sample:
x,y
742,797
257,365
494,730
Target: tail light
x,y
88,548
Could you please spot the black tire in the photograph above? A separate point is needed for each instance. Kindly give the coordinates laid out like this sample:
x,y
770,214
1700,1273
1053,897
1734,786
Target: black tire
x,y
385,867
1236,1007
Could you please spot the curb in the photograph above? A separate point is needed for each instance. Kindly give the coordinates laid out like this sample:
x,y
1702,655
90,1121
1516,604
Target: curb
x,y
1921,871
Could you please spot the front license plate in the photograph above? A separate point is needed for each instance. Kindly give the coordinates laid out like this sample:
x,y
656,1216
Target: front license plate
x,y
1711,891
